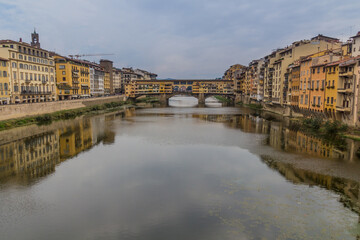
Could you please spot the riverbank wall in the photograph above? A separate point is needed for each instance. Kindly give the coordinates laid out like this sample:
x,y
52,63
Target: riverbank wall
x,y
33,109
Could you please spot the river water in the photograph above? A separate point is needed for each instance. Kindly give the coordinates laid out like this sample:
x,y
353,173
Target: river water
x,y
176,173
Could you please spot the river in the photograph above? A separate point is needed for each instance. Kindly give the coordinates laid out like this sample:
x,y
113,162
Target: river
x,y
176,173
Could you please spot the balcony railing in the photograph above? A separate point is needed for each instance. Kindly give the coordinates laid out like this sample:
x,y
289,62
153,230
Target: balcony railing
x,y
346,74
343,109
28,92
345,90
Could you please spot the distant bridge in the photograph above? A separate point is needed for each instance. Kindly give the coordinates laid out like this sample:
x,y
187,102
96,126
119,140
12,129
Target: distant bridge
x,y
199,88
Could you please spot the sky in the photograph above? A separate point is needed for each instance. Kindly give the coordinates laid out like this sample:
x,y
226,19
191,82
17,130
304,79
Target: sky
x,y
176,38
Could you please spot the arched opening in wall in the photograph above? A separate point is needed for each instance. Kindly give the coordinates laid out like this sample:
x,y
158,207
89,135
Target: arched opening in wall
x,y
212,101
183,101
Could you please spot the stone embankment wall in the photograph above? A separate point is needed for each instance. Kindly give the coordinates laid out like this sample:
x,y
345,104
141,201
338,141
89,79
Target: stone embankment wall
x,y
33,109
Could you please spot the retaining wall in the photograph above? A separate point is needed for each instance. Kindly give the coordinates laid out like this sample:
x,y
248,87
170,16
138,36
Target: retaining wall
x,y
33,109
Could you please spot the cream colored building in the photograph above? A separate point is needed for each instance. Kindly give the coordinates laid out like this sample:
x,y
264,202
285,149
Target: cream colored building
x,y
355,51
290,54
117,76
32,71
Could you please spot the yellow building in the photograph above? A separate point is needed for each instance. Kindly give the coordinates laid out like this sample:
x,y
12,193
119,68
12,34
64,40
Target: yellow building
x,y
332,77
32,71
107,83
4,82
72,78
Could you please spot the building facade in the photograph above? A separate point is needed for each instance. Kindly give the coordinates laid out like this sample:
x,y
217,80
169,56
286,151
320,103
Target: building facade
x,y
31,71
4,81
72,78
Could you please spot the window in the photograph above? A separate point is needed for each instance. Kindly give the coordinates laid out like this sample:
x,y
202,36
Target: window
x,y
333,83
332,100
4,74
319,101
14,75
328,100
306,99
14,65
314,100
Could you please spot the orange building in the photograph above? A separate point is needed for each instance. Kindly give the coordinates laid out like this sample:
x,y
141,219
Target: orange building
x,y
317,86
305,78
295,84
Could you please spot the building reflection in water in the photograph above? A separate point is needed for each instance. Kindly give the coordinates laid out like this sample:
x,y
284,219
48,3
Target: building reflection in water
x,y
348,190
24,159
281,137
31,157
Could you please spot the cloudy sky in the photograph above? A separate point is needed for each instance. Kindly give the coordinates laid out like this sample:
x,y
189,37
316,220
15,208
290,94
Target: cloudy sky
x,y
176,38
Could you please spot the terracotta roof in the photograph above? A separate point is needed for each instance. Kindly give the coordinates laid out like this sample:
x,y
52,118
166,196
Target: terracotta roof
x,y
357,35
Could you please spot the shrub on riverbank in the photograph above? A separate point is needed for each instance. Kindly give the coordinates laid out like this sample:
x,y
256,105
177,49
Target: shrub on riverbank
x,y
67,114
331,132
223,99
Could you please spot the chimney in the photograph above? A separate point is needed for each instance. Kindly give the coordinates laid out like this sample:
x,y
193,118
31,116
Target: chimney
x,y
20,40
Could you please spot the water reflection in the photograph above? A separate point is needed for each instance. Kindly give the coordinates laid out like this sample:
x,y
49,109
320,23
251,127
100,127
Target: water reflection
x,y
158,175
25,159
280,136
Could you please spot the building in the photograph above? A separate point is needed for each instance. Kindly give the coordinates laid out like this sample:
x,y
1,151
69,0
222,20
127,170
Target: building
x,y
332,77
72,78
355,45
31,70
4,82
305,79
117,75
230,73
294,86
97,76
107,83
239,80
318,79
145,75
347,106
278,62
107,65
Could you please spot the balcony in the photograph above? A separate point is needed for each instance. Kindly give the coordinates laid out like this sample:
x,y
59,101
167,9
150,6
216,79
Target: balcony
x,y
63,86
345,90
346,74
75,81
75,75
44,81
27,81
343,109
29,92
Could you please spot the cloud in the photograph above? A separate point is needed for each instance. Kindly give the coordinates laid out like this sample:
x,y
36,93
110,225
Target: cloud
x,y
178,38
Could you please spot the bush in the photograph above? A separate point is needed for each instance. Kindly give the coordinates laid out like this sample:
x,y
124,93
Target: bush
x,y
43,118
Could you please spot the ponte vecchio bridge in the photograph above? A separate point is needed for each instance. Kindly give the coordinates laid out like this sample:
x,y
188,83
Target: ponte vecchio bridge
x,y
165,89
